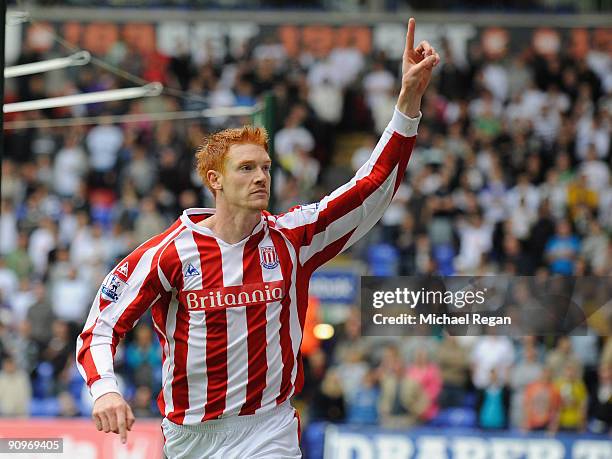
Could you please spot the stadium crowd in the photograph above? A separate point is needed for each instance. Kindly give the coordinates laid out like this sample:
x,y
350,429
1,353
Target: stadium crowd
x,y
510,175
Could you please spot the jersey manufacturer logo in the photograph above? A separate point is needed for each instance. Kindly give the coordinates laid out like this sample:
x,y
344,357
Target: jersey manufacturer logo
x,y
191,271
268,257
123,270
310,207
113,287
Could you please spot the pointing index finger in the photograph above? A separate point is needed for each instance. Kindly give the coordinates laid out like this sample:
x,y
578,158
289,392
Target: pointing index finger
x,y
410,35
121,424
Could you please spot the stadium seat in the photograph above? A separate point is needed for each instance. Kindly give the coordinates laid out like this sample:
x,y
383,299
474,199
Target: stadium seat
x,y
45,407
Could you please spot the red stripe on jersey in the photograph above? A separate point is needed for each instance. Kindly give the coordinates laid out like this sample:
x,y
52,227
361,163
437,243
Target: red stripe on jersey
x,y
170,264
180,389
256,324
216,329
85,358
180,386
323,257
404,158
285,331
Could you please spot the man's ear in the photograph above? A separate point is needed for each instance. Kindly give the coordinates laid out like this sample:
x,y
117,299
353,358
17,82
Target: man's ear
x,y
215,179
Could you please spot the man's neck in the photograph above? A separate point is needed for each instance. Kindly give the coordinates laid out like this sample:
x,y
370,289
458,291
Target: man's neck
x,y
232,226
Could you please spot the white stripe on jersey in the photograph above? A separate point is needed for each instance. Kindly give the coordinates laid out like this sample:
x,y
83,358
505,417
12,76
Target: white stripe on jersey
x,y
189,256
237,331
187,251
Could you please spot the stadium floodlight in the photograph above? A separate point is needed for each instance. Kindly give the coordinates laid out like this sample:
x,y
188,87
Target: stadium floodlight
x,y
80,58
149,90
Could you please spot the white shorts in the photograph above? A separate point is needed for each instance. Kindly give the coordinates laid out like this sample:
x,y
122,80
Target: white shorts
x,y
270,435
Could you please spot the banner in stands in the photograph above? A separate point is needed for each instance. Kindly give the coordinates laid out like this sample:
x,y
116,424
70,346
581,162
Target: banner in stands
x,y
345,442
83,441
335,286
217,40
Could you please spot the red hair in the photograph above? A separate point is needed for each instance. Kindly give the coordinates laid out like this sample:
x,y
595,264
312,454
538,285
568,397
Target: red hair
x,y
213,151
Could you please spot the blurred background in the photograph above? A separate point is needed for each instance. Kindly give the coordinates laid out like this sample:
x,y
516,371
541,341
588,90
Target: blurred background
x,y
510,175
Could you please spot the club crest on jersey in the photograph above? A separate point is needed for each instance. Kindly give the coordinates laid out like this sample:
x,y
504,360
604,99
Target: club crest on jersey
x,y
191,271
123,270
268,257
113,287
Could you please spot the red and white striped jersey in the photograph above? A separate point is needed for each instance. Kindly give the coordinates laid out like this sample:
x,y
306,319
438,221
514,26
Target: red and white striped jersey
x,y
229,317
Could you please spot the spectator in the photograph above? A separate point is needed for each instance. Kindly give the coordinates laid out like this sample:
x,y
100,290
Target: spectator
x,y
596,171
362,407
142,405
580,195
453,360
562,249
22,300
377,83
326,101
525,372
142,358
70,166
328,402
18,260
15,391
602,406
67,405
402,401
293,136
149,222
427,374
9,281
141,171
8,227
562,356
27,346
573,406
40,315
595,247
475,241
42,241
103,143
352,370
59,350
493,403
541,403
71,298
491,353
